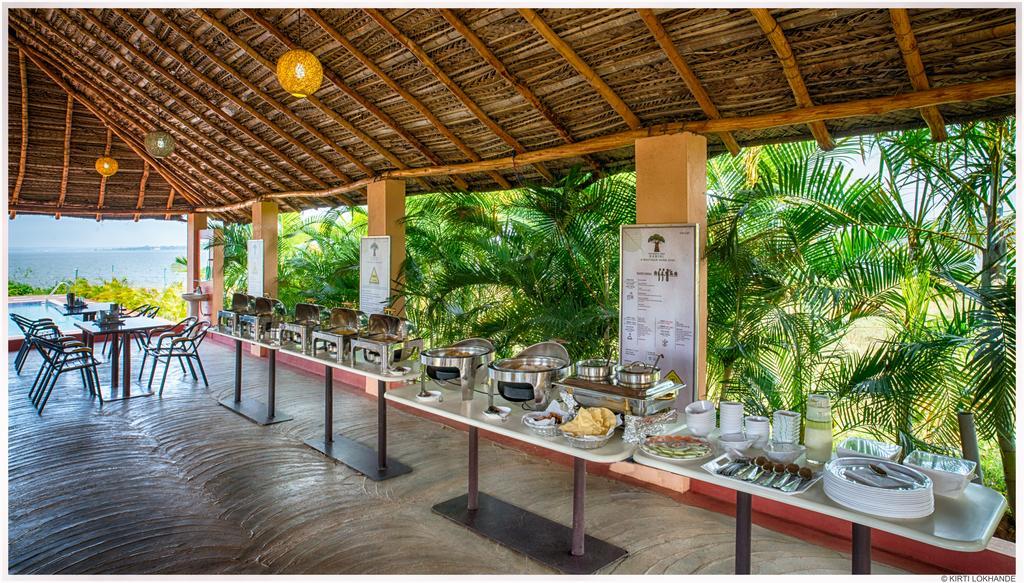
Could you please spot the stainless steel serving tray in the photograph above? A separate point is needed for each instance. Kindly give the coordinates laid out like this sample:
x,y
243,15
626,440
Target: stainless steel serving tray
x,y
622,399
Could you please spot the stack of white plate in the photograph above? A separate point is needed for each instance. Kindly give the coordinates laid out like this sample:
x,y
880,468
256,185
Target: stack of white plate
x,y
844,484
730,415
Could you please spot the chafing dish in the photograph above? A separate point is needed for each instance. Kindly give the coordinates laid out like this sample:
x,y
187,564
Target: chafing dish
x,y
388,339
528,376
298,333
337,335
595,369
621,399
227,320
264,316
462,362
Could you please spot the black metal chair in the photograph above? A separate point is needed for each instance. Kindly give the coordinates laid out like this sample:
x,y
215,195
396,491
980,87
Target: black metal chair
x,y
152,338
141,337
62,355
184,347
29,330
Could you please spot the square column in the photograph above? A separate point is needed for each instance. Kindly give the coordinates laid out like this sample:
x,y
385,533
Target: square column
x,y
671,187
196,223
385,209
264,227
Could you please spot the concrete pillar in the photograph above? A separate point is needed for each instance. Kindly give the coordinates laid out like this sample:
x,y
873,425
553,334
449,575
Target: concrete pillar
x,y
671,187
196,223
216,290
385,209
385,202
264,227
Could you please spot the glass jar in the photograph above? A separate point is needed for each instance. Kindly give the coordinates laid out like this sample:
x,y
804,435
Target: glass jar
x,y
818,429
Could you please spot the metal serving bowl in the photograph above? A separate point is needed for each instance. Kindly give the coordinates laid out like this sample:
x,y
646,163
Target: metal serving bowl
x,y
594,369
637,375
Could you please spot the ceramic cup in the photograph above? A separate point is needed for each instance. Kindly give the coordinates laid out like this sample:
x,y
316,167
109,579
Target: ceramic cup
x,y
758,429
730,417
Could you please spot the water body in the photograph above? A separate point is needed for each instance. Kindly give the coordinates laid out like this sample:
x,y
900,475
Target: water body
x,y
144,267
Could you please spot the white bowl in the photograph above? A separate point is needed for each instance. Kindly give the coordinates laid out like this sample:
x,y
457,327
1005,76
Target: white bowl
x,y
784,453
700,408
735,442
950,475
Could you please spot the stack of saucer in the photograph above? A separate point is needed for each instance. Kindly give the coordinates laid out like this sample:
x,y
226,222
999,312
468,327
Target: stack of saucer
x,y
700,418
730,417
879,487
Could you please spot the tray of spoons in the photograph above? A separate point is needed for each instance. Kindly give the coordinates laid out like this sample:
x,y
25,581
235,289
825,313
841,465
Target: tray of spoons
x,y
789,479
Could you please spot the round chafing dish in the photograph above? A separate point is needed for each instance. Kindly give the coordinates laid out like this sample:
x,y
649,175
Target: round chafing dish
x,y
594,369
528,376
445,363
637,375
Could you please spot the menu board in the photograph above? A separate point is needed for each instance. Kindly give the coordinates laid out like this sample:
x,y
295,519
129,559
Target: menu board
x,y
255,267
658,282
374,274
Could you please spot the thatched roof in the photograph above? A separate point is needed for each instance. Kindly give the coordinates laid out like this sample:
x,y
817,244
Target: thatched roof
x,y
427,94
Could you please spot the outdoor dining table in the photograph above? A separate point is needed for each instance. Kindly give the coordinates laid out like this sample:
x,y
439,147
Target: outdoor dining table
x,y
372,463
964,523
121,338
568,550
87,312
255,411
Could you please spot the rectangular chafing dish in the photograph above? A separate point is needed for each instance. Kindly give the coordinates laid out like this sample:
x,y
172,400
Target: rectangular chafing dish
x,y
257,324
630,401
337,336
387,340
228,320
297,334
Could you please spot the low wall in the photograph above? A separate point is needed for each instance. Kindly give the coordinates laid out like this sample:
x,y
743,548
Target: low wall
x,y
998,558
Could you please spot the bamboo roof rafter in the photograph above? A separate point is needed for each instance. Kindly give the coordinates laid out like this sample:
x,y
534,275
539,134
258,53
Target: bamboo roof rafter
x,y
23,146
915,68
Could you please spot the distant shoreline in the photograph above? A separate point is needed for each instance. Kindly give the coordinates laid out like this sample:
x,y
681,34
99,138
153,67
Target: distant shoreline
x,y
92,249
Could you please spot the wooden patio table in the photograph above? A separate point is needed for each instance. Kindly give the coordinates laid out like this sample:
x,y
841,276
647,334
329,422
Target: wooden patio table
x,y
259,413
373,464
965,523
87,312
121,337
567,550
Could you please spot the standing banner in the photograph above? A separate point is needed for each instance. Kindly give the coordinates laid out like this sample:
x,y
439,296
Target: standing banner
x,y
374,274
658,280
255,267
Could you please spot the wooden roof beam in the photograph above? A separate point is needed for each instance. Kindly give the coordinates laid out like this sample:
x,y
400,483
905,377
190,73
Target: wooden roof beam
x,y
136,147
142,190
23,147
159,105
170,202
451,85
313,99
778,41
181,85
129,103
85,211
525,92
689,77
288,137
866,107
67,154
408,97
584,70
915,68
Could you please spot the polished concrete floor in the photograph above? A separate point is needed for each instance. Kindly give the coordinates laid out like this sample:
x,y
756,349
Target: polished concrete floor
x,y
179,484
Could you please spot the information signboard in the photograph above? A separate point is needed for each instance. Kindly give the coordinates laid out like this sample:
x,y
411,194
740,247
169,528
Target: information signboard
x,y
658,283
255,267
374,274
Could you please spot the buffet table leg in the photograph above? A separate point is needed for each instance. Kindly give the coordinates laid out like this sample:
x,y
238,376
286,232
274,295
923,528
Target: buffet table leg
x,y
472,499
254,410
373,464
861,549
579,492
743,527
516,528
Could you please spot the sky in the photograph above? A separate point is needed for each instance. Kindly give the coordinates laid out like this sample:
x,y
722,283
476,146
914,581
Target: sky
x,y
41,232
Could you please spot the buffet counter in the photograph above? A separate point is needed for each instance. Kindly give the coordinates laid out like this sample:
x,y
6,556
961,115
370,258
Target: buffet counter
x,y
569,550
964,523
373,464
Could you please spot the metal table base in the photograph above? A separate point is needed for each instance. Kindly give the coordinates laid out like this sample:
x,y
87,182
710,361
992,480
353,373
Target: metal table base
x,y
122,387
861,543
567,550
255,411
375,465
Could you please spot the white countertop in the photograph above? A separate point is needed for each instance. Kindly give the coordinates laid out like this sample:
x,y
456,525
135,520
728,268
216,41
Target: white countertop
x,y
471,413
965,523
413,374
